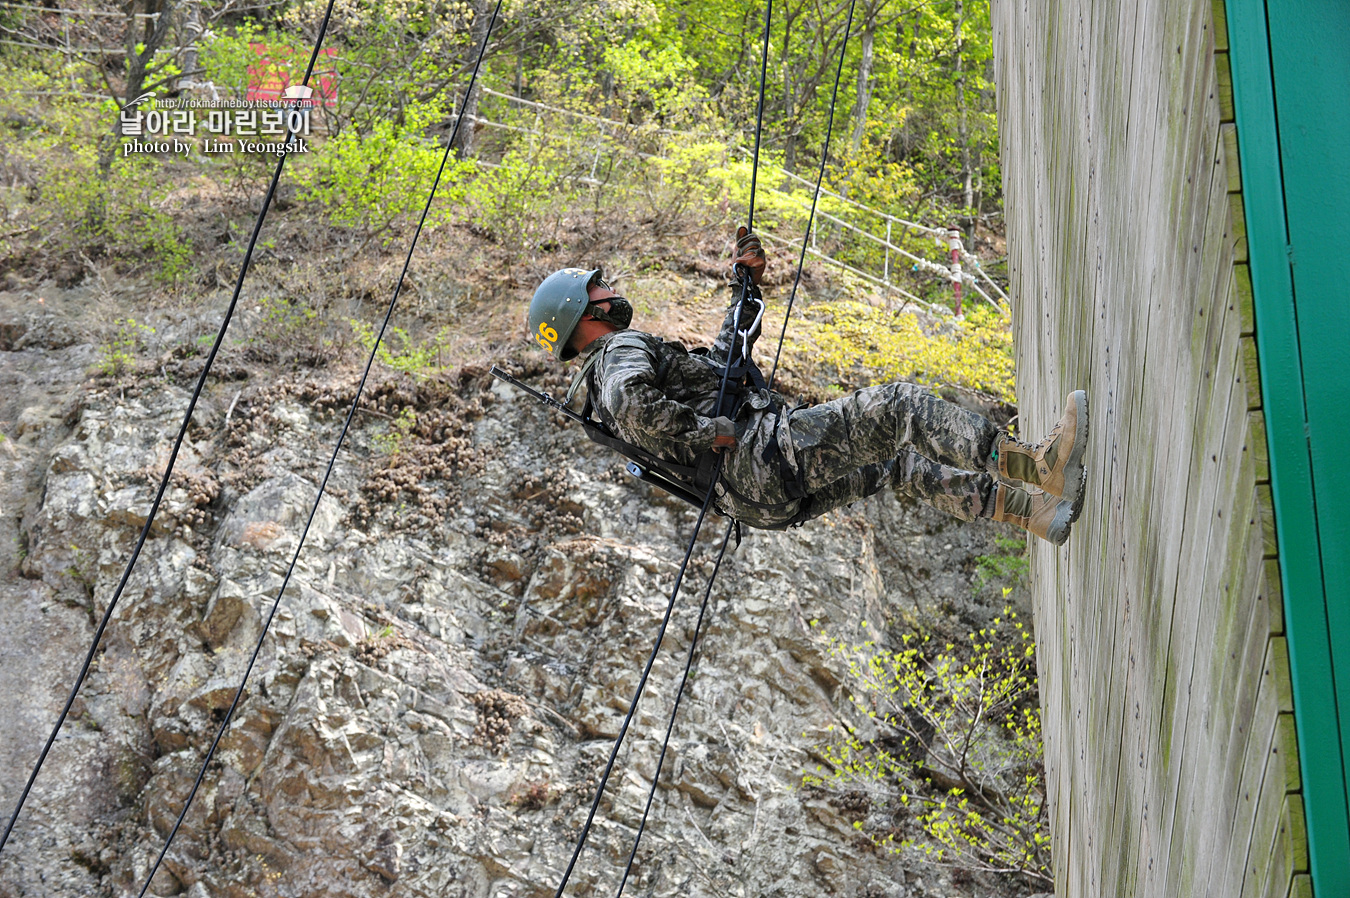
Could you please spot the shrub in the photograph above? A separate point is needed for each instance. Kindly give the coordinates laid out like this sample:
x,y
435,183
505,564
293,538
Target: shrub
x,y
70,205
121,215
655,79
118,352
517,201
286,330
679,185
377,181
1009,565
958,744
878,345
401,352
391,441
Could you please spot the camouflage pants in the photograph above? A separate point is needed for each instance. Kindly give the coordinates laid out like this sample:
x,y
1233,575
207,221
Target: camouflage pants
x,y
899,435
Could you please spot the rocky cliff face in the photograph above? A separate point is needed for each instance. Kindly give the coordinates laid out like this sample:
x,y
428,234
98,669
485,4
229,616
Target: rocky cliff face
x,y
443,680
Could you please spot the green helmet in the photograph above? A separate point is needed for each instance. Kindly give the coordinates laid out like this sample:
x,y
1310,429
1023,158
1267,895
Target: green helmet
x,y
557,306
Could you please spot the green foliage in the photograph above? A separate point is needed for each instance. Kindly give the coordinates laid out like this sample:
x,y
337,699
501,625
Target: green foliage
x,y
687,180
1007,566
391,441
117,353
930,110
520,200
653,79
121,215
77,208
953,735
402,353
394,56
375,181
286,331
665,92
225,55
283,320
859,340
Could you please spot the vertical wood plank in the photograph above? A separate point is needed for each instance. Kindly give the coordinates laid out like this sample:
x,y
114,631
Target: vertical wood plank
x,y
1166,745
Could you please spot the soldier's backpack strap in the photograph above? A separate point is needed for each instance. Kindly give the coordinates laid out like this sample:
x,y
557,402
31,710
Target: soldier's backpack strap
x,y
794,484
667,470
580,377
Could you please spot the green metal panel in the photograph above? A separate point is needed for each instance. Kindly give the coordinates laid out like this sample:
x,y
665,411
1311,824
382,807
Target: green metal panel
x,y
1310,55
1291,81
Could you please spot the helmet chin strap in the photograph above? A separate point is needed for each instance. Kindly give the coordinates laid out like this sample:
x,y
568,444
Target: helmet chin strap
x,y
620,312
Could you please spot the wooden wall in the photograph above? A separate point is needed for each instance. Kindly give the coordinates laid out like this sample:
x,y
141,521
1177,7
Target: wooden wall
x,y
1170,747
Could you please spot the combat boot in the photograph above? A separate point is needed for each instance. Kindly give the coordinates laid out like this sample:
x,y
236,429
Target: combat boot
x,y
1055,464
1047,516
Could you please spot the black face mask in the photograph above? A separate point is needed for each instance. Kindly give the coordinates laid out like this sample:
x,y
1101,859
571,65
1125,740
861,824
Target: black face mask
x,y
620,312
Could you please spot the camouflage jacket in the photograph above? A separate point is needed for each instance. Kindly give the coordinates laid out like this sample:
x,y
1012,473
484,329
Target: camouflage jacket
x,y
660,397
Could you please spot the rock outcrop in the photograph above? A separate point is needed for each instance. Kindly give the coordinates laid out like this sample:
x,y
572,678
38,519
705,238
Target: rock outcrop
x,y
443,678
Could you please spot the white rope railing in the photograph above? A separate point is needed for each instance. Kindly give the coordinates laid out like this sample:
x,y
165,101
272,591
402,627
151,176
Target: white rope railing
x,y
942,311
894,219
920,264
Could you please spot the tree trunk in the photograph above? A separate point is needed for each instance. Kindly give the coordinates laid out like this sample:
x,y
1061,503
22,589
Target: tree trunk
x,y
192,28
864,83
464,143
906,130
151,38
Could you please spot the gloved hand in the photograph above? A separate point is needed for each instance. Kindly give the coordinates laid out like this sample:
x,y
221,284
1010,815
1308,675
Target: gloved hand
x,y
750,253
726,434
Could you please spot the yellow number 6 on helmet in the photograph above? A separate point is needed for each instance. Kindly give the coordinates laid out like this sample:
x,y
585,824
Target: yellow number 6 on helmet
x,y
547,336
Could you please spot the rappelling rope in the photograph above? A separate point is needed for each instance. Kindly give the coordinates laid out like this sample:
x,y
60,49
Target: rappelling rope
x,y
717,566
675,708
759,115
693,539
332,461
815,198
173,453
637,693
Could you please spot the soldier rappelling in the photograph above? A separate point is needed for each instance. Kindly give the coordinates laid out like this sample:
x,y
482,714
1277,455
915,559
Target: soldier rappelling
x,y
782,465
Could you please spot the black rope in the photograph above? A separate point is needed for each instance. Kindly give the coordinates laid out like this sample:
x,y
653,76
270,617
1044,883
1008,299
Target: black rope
x,y
665,620
173,454
815,197
693,641
759,113
637,693
698,526
332,461
679,693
